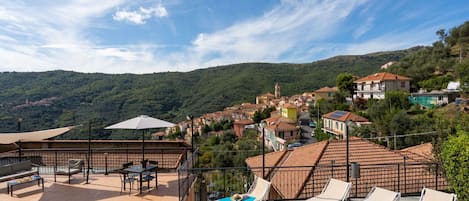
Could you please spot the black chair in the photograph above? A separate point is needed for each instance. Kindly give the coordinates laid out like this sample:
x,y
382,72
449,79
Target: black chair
x,y
148,175
126,177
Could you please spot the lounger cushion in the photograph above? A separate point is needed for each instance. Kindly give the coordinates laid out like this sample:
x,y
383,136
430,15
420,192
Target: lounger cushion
x,y
64,171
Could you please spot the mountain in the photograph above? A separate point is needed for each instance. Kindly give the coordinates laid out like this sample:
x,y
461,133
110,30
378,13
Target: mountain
x,y
61,98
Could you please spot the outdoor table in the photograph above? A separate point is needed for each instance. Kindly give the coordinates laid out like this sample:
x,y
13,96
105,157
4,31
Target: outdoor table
x,y
249,198
138,169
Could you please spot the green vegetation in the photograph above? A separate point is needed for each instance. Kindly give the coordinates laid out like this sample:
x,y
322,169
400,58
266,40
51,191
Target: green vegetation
x,y
455,156
264,114
344,82
446,60
170,96
227,150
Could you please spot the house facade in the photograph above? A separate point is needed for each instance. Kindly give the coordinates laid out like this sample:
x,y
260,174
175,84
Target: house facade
x,y
376,85
336,122
325,93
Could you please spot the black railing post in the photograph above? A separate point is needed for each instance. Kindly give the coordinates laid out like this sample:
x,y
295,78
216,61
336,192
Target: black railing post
x,y
312,175
405,174
224,182
398,177
436,177
55,166
105,164
127,153
179,185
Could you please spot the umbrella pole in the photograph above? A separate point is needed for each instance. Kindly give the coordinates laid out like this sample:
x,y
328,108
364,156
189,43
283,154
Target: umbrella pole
x,y
143,145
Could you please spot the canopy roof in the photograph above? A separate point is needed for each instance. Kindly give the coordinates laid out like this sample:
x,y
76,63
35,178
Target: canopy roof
x,y
9,138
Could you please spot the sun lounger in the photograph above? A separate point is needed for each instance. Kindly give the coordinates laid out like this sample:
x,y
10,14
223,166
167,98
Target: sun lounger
x,y
259,189
335,190
433,195
380,194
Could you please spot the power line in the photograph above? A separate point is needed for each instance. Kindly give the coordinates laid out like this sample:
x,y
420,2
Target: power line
x,y
404,135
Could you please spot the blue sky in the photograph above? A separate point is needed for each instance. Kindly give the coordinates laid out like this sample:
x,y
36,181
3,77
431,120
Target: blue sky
x,y
119,36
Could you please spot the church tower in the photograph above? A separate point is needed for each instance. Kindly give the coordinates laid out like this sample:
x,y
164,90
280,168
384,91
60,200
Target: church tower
x,y
277,90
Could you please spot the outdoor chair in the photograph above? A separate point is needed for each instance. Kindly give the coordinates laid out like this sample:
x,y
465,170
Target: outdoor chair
x,y
74,166
148,176
260,189
333,190
433,195
381,194
125,179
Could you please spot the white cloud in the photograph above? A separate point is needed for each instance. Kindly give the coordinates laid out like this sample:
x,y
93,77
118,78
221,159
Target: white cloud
x,y
55,36
362,29
277,32
141,15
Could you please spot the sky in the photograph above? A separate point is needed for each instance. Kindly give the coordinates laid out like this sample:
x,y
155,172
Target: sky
x,y
147,36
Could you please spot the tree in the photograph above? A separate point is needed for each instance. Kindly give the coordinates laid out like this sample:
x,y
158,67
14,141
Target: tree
x,y
462,69
442,35
397,99
344,82
455,155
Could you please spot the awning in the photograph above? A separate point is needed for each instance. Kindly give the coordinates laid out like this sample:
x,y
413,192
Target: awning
x,y
9,138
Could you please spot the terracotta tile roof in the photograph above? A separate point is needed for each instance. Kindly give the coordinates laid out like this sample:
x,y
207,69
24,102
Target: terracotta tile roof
x,y
244,122
361,151
326,89
343,116
307,155
282,126
423,152
271,160
292,178
381,77
288,105
272,119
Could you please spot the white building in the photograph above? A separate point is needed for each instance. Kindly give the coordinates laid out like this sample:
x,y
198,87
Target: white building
x,y
376,85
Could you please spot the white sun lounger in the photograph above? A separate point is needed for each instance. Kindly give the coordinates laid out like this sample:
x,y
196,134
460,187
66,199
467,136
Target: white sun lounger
x,y
259,189
433,195
335,190
381,194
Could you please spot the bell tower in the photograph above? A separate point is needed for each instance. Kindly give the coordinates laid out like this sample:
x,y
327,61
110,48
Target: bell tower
x,y
277,90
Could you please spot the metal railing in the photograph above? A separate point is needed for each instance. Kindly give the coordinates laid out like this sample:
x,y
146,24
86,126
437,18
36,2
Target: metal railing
x,y
302,182
185,176
102,160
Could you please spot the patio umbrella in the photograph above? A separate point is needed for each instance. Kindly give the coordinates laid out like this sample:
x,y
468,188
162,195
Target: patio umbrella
x,y
141,122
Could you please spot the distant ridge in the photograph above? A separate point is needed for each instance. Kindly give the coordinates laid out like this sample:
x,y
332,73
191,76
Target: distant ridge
x,y
79,97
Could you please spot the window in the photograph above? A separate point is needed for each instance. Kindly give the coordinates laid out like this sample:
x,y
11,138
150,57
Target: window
x,y
336,125
281,134
341,127
363,86
402,84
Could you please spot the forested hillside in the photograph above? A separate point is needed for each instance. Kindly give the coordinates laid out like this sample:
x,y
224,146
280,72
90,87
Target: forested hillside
x,y
61,98
446,60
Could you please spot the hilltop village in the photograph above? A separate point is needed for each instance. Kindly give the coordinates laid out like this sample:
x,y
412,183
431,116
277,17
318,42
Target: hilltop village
x,y
291,121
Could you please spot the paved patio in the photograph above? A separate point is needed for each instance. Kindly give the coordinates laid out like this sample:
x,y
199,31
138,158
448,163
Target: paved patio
x,y
101,187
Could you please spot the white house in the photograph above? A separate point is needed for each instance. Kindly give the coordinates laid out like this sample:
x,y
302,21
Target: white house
x,y
336,122
376,85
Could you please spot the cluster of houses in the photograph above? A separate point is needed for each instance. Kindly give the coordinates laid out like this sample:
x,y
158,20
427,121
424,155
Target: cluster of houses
x,y
283,126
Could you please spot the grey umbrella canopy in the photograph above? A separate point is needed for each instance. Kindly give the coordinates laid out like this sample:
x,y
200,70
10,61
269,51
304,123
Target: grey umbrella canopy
x,y
141,122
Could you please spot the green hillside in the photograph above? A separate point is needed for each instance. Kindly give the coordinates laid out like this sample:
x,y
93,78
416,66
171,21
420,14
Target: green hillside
x,y
78,97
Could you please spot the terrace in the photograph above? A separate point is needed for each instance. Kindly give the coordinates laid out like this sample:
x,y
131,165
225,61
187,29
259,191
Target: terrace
x,y
178,180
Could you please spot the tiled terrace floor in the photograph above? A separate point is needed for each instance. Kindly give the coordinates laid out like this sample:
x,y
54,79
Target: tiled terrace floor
x,y
100,188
